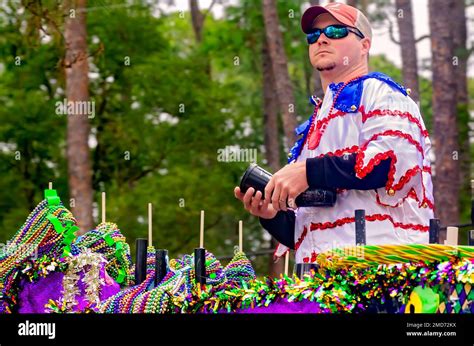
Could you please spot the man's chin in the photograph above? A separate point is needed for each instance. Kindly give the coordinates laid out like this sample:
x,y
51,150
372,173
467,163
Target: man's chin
x,y
326,67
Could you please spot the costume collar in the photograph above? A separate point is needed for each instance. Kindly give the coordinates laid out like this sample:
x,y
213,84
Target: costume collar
x,y
349,97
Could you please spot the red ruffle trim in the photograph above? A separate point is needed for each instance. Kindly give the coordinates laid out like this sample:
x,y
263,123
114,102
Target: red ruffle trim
x,y
384,112
340,152
411,194
374,217
403,180
362,171
346,220
317,131
391,176
314,256
395,133
301,238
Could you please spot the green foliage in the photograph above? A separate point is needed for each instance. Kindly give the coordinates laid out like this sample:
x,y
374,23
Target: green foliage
x,y
31,134
165,105
165,112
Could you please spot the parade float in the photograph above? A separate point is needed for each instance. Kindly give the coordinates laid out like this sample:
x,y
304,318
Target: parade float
x,y
46,268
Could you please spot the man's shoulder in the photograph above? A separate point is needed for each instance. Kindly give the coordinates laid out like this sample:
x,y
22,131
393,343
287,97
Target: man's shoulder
x,y
378,94
379,80
365,89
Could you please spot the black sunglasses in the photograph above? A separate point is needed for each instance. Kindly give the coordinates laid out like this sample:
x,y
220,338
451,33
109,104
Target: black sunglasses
x,y
332,31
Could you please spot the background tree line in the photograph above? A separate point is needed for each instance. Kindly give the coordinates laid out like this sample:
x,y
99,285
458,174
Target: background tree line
x,y
172,86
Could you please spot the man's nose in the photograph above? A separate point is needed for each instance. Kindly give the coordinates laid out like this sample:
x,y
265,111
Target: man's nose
x,y
323,40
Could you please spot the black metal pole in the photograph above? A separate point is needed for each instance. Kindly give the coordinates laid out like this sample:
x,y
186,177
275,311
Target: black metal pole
x,y
472,211
140,263
471,237
200,265
434,231
161,265
360,227
305,268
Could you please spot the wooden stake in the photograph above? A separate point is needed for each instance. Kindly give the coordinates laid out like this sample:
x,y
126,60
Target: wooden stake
x,y
451,236
201,236
287,262
241,236
103,207
149,225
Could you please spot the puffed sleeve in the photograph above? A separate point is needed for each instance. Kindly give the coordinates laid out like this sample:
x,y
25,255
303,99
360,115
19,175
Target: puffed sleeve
x,y
392,127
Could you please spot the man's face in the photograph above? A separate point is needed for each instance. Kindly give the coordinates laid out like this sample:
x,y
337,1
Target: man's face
x,y
329,54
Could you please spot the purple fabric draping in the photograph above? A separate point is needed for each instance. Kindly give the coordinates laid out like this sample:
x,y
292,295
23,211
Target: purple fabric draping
x,y
33,296
283,306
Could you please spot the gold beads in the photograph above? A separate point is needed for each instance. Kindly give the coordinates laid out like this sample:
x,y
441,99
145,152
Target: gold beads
x,y
391,192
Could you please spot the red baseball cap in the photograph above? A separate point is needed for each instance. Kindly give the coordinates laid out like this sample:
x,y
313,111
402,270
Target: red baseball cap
x,y
345,14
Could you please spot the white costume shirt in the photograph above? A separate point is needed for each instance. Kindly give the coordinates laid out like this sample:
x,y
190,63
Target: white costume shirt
x,y
383,122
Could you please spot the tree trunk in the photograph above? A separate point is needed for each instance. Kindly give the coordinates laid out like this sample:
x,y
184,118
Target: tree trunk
x,y
272,144
197,19
283,85
446,180
270,113
408,47
461,53
78,155
352,3
364,4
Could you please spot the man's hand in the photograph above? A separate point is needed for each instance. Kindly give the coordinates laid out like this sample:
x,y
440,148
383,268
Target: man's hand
x,y
255,205
285,185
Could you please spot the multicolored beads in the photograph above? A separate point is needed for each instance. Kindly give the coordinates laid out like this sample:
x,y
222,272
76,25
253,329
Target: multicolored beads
x,y
48,230
107,240
178,287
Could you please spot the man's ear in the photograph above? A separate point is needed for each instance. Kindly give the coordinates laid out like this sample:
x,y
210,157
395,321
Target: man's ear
x,y
366,44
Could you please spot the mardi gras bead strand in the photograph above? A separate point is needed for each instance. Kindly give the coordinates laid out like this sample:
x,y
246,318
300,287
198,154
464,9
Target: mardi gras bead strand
x,y
179,283
235,274
42,232
122,301
239,268
107,240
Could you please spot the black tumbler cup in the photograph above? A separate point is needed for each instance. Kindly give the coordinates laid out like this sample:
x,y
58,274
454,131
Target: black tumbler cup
x,y
256,177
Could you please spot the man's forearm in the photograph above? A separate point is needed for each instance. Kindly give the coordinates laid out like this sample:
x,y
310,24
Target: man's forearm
x,y
326,172
339,172
282,227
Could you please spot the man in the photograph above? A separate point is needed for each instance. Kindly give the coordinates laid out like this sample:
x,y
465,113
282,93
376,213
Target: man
x,y
366,139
